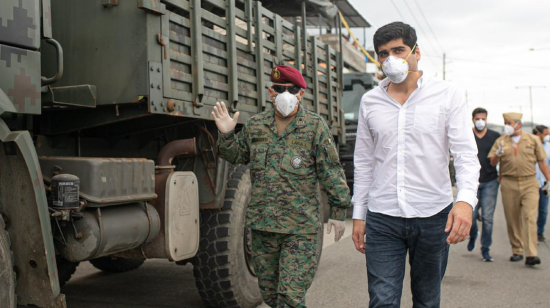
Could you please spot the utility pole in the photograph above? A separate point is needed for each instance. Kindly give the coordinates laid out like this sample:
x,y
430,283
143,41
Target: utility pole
x,y
520,107
365,38
443,66
531,99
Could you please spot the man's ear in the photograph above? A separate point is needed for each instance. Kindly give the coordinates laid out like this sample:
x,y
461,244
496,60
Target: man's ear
x,y
272,94
300,95
417,54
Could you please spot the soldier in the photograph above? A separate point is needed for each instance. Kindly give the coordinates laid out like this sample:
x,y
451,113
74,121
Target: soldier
x,y
517,153
290,150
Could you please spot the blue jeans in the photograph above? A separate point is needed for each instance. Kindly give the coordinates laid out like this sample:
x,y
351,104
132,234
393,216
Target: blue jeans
x,y
388,240
543,212
487,195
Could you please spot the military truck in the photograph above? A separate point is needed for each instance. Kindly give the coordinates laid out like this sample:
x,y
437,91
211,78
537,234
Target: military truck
x,y
108,151
356,84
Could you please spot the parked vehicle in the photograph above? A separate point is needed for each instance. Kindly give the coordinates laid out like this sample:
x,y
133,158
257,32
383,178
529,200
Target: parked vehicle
x,y
112,158
355,86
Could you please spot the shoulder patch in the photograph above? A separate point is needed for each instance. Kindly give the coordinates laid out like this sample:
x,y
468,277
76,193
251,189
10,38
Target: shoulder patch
x,y
301,121
331,151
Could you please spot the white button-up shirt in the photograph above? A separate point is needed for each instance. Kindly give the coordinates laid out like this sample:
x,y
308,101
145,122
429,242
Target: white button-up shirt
x,y
402,152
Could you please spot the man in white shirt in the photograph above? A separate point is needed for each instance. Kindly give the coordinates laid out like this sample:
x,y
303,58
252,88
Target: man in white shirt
x,y
406,127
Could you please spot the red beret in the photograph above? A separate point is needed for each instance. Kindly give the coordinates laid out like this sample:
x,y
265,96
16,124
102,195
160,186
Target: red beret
x,y
288,74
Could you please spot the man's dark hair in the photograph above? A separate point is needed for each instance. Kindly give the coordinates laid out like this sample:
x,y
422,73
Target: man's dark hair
x,y
478,111
394,31
539,129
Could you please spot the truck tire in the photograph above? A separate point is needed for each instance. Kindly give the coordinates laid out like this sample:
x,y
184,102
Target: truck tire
x,y
116,265
65,269
8,298
222,268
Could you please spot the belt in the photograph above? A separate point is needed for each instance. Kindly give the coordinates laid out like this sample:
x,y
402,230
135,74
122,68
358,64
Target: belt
x,y
520,178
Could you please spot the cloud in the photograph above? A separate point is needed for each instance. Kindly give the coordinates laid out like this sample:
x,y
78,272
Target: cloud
x,y
487,46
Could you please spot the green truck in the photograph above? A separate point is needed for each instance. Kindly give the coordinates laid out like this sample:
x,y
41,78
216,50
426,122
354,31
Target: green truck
x,y
107,148
356,84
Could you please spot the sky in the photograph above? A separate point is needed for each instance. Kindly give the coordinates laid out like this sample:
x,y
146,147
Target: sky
x,y
486,43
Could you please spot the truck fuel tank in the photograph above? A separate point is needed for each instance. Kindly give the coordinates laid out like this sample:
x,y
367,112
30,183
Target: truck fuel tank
x,y
105,231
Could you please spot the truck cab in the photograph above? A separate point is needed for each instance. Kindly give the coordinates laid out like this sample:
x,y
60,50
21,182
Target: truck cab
x,y
355,86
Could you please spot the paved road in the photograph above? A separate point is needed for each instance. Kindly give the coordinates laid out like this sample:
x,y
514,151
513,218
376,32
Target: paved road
x,y
340,281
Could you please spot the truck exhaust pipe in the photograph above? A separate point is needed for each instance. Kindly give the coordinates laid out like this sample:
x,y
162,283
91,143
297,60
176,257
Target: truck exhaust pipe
x,y
162,247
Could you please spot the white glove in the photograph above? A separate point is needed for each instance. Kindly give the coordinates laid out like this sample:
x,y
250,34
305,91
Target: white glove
x,y
500,150
545,188
339,228
224,122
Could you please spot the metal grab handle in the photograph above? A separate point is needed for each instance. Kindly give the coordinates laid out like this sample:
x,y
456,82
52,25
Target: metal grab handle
x,y
59,74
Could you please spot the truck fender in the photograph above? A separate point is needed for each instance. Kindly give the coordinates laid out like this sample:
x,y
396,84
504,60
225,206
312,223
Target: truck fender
x,y
23,203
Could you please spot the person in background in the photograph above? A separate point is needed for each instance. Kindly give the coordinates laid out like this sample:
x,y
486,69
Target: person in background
x,y
517,153
542,132
488,184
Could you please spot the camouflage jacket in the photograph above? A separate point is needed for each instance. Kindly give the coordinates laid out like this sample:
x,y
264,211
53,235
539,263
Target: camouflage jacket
x,y
285,171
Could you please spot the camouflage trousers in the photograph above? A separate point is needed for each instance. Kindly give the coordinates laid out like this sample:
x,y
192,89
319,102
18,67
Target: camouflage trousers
x,y
285,265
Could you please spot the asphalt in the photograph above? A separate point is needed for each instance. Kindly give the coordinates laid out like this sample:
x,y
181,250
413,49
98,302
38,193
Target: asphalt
x,y
340,281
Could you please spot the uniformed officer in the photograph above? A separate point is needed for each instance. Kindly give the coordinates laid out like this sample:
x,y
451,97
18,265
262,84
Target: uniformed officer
x,y
290,150
517,153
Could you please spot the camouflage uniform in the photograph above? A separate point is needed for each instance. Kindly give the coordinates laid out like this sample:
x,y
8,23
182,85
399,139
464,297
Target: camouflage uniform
x,y
284,210
284,260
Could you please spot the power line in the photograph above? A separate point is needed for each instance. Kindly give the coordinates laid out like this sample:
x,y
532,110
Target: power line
x,y
398,11
488,62
429,26
403,18
419,25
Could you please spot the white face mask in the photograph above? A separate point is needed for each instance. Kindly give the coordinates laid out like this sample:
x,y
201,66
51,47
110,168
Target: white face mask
x,y
546,138
286,103
396,68
509,129
480,125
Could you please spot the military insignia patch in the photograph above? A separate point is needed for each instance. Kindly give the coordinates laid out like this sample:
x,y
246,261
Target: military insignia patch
x,y
260,140
296,162
276,74
300,122
300,143
333,155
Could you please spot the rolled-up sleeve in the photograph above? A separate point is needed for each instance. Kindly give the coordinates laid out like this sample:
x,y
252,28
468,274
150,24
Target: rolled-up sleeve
x,y
463,149
364,164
